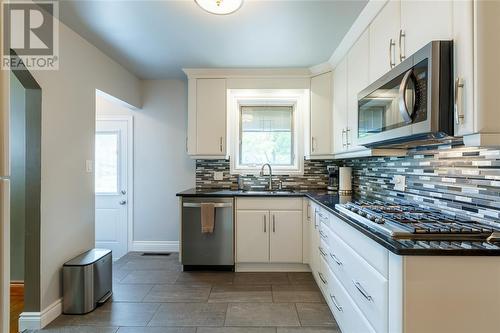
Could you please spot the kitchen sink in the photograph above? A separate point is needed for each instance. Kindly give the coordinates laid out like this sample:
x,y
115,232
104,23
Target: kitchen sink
x,y
264,192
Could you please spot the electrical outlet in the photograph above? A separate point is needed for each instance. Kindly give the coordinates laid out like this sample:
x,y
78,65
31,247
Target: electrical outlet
x,y
399,183
218,175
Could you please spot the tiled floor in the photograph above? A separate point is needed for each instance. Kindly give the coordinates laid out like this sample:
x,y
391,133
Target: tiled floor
x,y
152,295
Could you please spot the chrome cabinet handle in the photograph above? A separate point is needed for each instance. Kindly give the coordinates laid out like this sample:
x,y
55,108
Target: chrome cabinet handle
x,y
313,143
459,114
392,44
404,109
323,253
334,300
265,222
308,211
334,257
220,144
123,202
402,36
274,223
343,133
347,130
362,291
322,278
322,234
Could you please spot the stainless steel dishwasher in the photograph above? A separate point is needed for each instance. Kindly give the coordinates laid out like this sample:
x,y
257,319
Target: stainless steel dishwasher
x,y
207,251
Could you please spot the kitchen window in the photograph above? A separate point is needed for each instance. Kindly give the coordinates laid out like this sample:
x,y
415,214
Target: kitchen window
x,y
265,126
266,136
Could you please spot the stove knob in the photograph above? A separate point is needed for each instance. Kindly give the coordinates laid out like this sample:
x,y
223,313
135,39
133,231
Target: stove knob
x,y
379,220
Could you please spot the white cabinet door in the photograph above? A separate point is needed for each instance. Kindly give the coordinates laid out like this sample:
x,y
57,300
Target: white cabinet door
x,y
211,117
252,236
383,40
357,80
463,48
321,115
424,21
314,241
286,236
339,107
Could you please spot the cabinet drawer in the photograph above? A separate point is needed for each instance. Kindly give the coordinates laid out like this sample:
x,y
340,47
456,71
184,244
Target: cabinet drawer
x,y
366,286
269,203
345,311
373,253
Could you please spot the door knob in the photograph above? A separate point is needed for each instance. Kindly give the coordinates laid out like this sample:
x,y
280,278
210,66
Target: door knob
x,y
123,202
123,192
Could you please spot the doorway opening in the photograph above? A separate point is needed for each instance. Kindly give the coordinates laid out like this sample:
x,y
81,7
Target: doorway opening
x,y
22,188
113,176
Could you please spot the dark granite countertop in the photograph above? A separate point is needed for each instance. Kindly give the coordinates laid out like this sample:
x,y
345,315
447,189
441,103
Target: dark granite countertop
x,y
400,247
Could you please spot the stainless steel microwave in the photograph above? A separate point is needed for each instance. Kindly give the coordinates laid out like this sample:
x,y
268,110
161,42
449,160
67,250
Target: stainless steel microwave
x,y
412,104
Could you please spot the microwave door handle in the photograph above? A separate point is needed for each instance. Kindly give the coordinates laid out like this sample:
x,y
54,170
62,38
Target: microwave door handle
x,y
403,105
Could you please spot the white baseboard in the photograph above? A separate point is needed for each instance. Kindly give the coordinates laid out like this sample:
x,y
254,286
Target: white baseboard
x,y
38,320
271,267
155,246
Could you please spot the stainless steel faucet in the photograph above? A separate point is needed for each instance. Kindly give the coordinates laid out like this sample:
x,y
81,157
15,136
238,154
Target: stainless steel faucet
x,y
270,186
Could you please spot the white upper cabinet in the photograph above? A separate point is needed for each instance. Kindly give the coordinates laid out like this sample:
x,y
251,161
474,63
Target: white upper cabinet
x,y
207,118
422,22
486,74
384,31
463,48
211,116
358,60
320,143
340,107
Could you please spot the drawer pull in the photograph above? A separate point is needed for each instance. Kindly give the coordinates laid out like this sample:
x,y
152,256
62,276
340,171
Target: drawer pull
x,y
334,300
362,291
322,234
322,278
323,253
337,261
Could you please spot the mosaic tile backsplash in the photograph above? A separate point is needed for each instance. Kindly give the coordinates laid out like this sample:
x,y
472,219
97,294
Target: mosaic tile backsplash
x,y
315,177
455,180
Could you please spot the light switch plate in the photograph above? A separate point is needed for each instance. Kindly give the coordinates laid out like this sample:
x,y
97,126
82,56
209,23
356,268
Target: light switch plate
x,y
399,183
89,166
218,175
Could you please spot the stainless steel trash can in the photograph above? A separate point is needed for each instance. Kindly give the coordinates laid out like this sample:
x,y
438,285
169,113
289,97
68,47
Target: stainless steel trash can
x,y
87,281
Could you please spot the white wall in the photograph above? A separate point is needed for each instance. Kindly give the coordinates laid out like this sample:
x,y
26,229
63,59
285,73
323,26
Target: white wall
x,y
161,165
68,128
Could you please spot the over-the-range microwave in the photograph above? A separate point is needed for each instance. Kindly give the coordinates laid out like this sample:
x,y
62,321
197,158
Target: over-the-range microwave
x,y
412,104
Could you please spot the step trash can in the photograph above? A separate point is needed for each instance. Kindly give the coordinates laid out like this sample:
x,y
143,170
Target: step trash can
x,y
87,281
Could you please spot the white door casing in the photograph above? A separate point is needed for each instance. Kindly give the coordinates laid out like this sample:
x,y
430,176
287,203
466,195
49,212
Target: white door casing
x,y
113,171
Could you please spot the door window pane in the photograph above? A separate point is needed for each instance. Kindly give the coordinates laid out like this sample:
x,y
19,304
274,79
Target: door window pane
x,y
266,135
106,162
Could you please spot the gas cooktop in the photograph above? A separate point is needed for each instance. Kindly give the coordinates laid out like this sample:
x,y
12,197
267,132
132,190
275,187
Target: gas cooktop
x,y
411,222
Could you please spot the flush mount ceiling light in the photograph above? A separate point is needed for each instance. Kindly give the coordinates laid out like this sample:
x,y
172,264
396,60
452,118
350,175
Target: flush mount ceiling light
x,y
220,7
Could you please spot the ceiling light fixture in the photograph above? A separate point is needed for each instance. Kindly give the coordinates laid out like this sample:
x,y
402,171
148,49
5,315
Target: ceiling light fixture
x,y
220,7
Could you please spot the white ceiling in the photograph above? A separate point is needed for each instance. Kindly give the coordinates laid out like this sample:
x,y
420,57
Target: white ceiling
x,y
156,39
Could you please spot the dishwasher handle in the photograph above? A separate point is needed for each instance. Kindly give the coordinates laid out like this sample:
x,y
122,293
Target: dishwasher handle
x,y
216,204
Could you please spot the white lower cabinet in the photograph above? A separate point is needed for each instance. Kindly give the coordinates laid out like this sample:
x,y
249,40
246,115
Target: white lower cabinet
x,y
285,236
269,235
347,314
252,236
372,290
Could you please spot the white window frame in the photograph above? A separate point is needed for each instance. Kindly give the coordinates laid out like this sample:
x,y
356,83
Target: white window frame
x,y
297,98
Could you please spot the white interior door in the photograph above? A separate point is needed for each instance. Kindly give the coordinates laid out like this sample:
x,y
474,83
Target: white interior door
x,y
111,186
